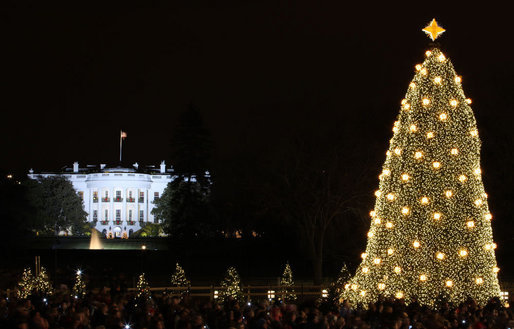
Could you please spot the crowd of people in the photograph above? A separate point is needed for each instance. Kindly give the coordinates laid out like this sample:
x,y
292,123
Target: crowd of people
x,y
115,308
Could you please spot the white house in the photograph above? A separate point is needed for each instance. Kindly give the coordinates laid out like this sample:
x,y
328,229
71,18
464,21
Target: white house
x,y
117,199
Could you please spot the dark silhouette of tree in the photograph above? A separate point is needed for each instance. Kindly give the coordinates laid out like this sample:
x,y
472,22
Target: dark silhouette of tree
x,y
57,206
314,191
184,207
191,147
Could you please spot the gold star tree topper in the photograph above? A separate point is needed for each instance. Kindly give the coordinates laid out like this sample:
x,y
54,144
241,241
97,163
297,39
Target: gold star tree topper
x,y
433,30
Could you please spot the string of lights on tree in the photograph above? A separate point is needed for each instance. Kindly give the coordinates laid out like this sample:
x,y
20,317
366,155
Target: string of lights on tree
x,y
286,285
79,287
178,279
430,236
26,284
42,284
335,289
143,288
231,286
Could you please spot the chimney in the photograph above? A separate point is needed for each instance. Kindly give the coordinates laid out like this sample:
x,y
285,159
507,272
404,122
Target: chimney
x,y
163,167
102,166
75,166
136,165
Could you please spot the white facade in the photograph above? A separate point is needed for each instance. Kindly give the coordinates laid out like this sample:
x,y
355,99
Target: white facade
x,y
119,200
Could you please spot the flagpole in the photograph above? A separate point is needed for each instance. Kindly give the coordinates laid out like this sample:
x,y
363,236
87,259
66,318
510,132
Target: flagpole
x,y
121,143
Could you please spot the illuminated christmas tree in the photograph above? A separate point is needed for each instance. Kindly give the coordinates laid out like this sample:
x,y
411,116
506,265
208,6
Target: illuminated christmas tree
x,y
42,284
231,286
286,285
143,289
178,279
26,285
334,291
430,237
79,288
343,277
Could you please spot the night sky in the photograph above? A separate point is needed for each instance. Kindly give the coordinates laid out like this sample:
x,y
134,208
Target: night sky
x,y
258,72
71,79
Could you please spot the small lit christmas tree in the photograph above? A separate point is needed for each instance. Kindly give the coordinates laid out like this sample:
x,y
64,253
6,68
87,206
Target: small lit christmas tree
x,y
335,290
286,285
430,237
143,289
42,284
231,286
26,284
343,277
79,288
178,279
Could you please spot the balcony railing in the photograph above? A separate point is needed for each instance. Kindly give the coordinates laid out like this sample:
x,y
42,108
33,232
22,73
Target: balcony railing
x,y
104,222
106,199
117,222
131,222
141,200
120,199
131,199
